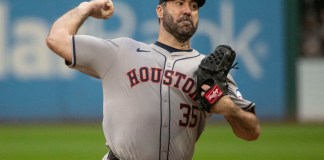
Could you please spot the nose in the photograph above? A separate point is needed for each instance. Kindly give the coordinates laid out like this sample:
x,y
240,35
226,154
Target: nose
x,y
186,9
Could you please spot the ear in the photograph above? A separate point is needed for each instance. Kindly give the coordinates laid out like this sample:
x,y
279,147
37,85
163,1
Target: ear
x,y
159,11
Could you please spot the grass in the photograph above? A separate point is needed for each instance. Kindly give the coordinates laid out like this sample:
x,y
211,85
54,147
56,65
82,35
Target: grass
x,y
86,142
67,142
277,142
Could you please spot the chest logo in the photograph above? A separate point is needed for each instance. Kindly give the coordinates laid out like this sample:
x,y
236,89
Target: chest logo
x,y
165,77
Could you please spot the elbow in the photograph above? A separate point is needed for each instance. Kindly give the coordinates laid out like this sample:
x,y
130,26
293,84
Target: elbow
x,y
253,135
59,45
50,42
56,42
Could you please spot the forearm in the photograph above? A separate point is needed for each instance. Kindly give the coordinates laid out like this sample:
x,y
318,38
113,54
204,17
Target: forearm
x,y
70,22
59,38
244,124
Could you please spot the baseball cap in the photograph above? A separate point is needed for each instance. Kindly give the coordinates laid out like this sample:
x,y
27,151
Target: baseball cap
x,y
200,2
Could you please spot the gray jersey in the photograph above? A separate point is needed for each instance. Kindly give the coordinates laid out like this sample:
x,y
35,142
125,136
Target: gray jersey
x,y
148,112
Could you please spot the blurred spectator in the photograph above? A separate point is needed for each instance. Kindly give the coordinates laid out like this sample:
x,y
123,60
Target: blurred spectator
x,y
313,28
321,15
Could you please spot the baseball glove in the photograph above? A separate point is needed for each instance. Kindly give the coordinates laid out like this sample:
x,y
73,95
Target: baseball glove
x,y
213,71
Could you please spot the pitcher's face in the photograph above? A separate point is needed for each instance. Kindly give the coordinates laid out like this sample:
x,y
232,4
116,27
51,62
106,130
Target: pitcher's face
x,y
180,18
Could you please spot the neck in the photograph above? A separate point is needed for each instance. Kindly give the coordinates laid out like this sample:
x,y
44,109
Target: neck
x,y
168,39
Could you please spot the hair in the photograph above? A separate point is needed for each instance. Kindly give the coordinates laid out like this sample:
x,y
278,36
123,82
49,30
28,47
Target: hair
x,y
163,5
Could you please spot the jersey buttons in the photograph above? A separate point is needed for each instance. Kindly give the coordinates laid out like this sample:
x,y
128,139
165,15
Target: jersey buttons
x,y
165,99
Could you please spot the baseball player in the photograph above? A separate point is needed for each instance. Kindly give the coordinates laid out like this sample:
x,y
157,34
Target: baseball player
x,y
148,89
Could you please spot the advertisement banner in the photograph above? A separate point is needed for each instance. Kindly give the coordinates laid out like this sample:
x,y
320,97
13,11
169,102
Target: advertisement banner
x,y
35,83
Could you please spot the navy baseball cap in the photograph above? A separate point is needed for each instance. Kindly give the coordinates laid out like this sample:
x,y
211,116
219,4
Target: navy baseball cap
x,y
200,2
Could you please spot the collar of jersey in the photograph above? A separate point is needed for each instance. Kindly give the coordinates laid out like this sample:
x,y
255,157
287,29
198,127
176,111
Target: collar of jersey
x,y
170,49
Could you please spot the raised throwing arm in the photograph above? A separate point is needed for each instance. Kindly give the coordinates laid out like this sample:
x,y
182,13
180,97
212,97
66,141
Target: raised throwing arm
x,y
59,37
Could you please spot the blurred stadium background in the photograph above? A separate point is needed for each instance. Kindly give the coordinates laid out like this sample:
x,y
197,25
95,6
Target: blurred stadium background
x,y
50,112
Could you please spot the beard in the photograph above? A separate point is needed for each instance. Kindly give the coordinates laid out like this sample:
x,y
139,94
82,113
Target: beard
x,y
182,29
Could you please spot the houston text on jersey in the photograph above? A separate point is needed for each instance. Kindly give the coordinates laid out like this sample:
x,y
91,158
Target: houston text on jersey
x,y
170,78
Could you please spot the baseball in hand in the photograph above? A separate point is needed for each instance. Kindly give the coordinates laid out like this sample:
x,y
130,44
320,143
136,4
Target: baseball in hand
x,y
103,9
108,10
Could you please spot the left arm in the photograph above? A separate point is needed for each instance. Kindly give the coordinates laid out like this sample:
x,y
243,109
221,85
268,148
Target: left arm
x,y
244,124
219,93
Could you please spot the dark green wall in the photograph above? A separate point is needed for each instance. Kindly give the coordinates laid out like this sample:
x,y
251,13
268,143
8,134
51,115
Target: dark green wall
x,y
293,32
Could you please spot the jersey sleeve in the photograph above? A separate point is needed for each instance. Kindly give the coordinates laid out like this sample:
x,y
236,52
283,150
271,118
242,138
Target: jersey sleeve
x,y
93,56
237,97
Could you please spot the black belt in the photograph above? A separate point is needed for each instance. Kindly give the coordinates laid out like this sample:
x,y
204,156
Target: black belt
x,y
111,156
